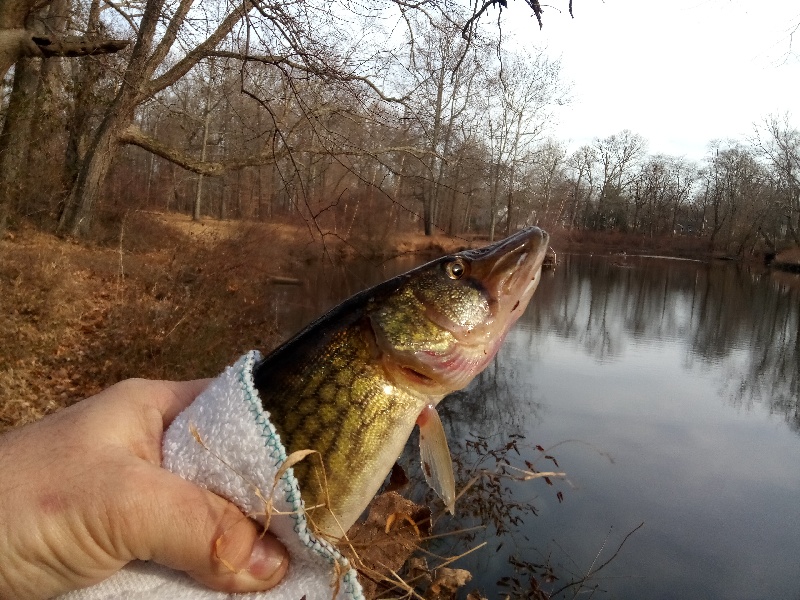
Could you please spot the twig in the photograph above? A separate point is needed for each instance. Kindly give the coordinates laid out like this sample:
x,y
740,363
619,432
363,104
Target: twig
x,y
590,573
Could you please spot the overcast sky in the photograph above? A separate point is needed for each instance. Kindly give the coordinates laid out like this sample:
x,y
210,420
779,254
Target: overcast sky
x,y
680,73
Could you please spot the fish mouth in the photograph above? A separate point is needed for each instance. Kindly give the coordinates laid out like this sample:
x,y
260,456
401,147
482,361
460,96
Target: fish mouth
x,y
509,272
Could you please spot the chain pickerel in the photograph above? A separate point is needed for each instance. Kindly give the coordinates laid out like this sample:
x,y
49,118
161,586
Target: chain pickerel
x,y
353,384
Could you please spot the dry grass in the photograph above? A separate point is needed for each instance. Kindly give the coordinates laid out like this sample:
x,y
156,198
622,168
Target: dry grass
x,y
50,299
155,300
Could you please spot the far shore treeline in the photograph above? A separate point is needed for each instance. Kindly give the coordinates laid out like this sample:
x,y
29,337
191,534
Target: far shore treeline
x,y
263,113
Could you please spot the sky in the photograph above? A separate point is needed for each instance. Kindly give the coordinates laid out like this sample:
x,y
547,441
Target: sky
x,y
681,73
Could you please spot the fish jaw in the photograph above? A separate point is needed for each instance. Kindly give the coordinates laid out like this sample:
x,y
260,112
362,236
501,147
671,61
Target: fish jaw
x,y
510,272
439,331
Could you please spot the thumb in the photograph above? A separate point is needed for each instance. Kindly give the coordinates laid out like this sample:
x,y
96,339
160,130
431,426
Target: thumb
x,y
191,529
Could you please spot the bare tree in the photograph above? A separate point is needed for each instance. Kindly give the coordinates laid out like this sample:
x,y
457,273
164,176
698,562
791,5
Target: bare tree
x,y
581,164
144,76
547,173
778,143
442,102
734,196
302,42
516,113
661,189
616,154
30,31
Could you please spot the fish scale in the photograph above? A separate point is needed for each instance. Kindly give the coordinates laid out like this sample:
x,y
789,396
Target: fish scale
x,y
331,412
353,384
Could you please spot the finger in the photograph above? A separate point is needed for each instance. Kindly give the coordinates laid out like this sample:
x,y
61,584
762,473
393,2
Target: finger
x,y
149,408
171,397
191,529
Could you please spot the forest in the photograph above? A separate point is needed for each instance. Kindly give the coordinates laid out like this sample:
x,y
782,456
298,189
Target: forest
x,y
337,112
170,169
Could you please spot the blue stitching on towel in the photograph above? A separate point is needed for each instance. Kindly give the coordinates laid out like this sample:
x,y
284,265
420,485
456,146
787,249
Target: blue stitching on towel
x,y
290,487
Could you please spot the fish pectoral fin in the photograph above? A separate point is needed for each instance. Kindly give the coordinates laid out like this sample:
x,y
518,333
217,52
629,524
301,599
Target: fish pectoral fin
x,y
437,466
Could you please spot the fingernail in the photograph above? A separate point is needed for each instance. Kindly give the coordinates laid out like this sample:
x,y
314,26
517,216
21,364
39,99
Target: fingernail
x,y
268,560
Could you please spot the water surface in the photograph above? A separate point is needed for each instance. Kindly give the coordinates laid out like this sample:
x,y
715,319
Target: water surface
x,y
674,386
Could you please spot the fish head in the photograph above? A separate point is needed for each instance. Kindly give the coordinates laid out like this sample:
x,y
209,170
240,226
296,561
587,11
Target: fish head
x,y
445,323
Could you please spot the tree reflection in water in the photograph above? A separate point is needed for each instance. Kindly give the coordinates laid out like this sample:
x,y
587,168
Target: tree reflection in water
x,y
737,329
676,335
720,311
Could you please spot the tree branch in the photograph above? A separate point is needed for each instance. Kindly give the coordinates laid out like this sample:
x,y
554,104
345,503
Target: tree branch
x,y
136,137
200,51
325,74
74,46
536,7
17,43
123,14
163,47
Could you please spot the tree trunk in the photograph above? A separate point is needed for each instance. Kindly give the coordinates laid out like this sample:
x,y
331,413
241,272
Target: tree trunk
x,y
198,198
223,201
466,222
77,214
150,170
85,192
430,189
493,200
79,132
426,215
510,201
15,137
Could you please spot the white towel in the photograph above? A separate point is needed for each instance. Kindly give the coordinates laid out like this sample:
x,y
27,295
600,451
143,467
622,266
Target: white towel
x,y
240,453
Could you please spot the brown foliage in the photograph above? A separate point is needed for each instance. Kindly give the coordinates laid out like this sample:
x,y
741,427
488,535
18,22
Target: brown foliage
x,y
790,256
587,241
157,298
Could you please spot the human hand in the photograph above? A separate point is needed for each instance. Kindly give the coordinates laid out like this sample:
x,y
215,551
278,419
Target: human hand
x,y
82,493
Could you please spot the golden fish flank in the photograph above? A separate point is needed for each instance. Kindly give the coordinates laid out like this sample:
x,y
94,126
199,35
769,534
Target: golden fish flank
x,y
353,384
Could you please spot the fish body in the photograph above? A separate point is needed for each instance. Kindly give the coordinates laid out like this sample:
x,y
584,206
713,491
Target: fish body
x,y
353,384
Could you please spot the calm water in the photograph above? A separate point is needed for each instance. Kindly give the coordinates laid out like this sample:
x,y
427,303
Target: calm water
x,y
672,390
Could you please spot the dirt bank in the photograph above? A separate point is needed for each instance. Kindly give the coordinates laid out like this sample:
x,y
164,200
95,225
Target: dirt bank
x,y
165,299
788,260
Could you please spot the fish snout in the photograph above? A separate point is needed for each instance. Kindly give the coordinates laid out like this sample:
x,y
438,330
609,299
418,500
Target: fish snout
x,y
507,269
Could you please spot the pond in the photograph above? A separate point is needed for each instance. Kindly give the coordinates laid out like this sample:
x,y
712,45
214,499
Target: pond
x,y
668,392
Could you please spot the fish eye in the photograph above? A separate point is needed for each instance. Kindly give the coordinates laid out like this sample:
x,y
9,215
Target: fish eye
x,y
456,269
